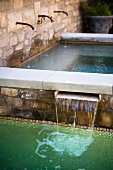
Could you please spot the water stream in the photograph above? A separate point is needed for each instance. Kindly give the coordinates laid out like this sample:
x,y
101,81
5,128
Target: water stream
x,y
78,104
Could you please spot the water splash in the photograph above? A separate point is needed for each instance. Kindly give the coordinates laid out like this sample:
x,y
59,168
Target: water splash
x,y
63,143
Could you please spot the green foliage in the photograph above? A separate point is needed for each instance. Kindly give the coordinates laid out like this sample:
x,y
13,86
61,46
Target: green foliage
x,y
99,9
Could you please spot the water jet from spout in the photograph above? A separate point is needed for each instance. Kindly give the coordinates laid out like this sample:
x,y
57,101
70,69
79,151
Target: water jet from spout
x,y
79,104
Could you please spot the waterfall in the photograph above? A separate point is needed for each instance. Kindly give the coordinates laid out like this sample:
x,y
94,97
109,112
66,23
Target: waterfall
x,y
77,104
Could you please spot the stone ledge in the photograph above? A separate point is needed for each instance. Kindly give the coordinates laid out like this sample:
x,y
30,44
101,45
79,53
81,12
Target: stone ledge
x,y
57,80
22,78
107,38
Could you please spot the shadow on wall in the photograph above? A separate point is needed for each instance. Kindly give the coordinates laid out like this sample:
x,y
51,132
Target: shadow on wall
x,y
37,46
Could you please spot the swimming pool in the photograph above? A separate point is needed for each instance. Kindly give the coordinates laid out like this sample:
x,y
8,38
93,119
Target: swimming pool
x,y
91,58
34,146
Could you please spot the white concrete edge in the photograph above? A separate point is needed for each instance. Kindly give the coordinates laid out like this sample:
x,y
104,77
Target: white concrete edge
x,y
56,80
87,37
23,78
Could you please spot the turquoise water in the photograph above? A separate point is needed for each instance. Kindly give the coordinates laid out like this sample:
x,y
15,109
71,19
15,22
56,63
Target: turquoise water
x,y
92,58
28,146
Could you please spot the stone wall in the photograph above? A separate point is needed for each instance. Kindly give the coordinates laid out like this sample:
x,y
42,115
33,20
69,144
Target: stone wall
x,y
20,42
35,104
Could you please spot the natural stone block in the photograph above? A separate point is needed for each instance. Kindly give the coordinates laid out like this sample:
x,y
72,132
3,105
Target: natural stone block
x,y
2,100
37,9
19,46
42,46
4,110
75,13
44,11
4,41
26,42
24,57
59,19
35,47
51,2
9,101
13,40
3,20
21,113
9,91
57,0
16,59
3,63
0,53
29,34
34,51
21,36
77,1
70,8
14,62
25,94
26,49
18,4
111,102
0,6
28,3
45,35
51,42
7,52
12,19
67,2
0,17
50,9
6,5
39,105
0,32
14,101
17,102
29,16
49,100
106,119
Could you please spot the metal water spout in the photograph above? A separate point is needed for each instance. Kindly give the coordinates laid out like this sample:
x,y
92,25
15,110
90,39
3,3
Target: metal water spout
x,y
43,17
61,12
23,23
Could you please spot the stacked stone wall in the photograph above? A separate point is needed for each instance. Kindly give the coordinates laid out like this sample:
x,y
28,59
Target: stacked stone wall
x,y
20,42
32,104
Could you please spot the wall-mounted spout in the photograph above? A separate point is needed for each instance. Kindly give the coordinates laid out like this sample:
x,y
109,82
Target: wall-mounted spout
x,y
44,16
61,12
23,23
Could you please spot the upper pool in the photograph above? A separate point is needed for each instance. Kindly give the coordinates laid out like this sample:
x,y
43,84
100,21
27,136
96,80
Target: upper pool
x,y
91,58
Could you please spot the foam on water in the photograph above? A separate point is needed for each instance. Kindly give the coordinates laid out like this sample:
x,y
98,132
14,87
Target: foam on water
x,y
63,143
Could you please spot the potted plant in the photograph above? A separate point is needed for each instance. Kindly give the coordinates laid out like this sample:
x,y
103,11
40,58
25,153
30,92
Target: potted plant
x,y
99,16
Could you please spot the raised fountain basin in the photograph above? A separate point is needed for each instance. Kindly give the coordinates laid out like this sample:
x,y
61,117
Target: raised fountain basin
x,y
35,88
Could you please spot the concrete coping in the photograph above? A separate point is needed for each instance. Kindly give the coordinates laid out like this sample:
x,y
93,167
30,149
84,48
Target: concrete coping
x,y
57,80
105,38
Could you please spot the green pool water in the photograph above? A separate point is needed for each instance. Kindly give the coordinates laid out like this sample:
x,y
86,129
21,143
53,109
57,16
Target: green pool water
x,y
30,146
